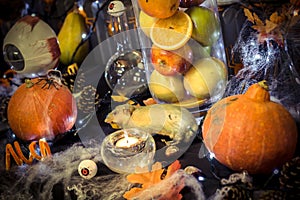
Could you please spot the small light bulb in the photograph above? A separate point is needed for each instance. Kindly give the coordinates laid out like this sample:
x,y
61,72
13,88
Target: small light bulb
x,y
211,155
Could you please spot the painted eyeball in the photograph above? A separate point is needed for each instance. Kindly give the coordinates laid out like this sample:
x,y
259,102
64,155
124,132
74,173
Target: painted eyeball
x,y
116,8
31,47
87,169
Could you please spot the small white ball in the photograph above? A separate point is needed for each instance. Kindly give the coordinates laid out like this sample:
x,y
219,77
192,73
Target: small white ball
x,y
87,169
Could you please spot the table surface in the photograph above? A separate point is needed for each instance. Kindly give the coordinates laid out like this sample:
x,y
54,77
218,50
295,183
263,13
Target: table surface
x,y
212,169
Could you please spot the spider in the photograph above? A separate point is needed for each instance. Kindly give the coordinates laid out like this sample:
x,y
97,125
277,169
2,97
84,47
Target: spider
x,y
53,78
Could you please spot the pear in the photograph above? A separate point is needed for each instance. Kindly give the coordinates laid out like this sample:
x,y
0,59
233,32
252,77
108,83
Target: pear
x,y
73,30
207,78
206,25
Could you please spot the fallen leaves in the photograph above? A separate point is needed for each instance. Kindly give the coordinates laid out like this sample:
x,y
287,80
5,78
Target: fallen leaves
x,y
150,179
275,25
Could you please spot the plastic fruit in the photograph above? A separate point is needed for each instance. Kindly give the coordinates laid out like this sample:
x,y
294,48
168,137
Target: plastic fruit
x,y
159,8
41,109
70,36
173,32
206,25
146,22
166,88
170,63
205,78
250,132
189,3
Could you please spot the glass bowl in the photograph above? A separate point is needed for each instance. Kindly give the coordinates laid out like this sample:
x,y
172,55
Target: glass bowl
x,y
124,150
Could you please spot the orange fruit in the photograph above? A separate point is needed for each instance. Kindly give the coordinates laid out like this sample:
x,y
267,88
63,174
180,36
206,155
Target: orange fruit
x,y
159,8
172,33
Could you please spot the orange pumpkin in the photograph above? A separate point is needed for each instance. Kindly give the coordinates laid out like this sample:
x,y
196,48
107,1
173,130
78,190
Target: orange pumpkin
x,y
250,132
41,109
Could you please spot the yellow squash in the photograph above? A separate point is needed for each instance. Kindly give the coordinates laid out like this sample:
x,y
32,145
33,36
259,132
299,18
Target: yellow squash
x,y
70,35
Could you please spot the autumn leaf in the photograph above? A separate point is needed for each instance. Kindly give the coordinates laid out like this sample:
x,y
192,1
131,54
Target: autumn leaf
x,y
249,15
257,20
276,18
270,26
149,179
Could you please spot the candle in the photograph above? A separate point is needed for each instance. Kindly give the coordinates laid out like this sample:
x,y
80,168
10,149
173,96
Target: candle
x,y
124,150
127,141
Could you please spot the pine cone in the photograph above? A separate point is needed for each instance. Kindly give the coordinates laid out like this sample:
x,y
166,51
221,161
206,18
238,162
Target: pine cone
x,y
290,178
270,195
290,175
88,99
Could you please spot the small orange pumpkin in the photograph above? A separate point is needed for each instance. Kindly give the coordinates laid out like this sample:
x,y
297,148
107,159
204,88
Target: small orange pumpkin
x,y
250,132
41,109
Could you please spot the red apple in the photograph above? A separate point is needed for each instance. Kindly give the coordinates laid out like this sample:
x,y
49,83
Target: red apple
x,y
170,63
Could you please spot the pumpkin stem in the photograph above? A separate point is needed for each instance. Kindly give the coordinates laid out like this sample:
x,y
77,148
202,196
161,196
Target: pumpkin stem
x,y
263,84
28,83
258,91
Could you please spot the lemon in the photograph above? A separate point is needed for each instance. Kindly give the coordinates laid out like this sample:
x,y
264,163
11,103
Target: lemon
x,y
146,22
166,88
173,32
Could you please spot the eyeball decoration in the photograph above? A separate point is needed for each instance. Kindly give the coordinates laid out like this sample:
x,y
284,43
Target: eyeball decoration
x,y
116,8
87,169
31,47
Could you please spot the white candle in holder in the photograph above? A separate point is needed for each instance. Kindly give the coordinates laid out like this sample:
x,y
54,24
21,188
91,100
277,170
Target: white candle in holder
x,y
127,141
124,150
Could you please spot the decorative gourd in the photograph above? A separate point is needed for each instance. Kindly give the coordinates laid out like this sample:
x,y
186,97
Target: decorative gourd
x,y
41,108
250,132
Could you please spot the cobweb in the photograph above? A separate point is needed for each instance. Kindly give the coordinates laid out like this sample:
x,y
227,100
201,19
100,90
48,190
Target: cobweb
x,y
57,177
270,61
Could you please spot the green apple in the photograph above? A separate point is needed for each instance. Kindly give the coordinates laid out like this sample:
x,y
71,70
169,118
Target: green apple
x,y
206,25
169,89
206,78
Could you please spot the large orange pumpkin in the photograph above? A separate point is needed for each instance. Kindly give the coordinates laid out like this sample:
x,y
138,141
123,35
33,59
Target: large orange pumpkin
x,y
250,132
40,109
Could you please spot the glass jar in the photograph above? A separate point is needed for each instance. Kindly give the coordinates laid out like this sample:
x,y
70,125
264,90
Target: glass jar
x,y
183,52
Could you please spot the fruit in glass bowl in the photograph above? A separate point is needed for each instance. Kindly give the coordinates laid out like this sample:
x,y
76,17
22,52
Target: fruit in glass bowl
x,y
206,26
170,63
206,78
158,8
168,89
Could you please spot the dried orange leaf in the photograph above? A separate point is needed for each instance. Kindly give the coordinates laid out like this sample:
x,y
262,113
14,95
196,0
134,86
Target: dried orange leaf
x,y
173,168
150,178
149,101
261,29
257,20
270,26
275,18
132,193
249,15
